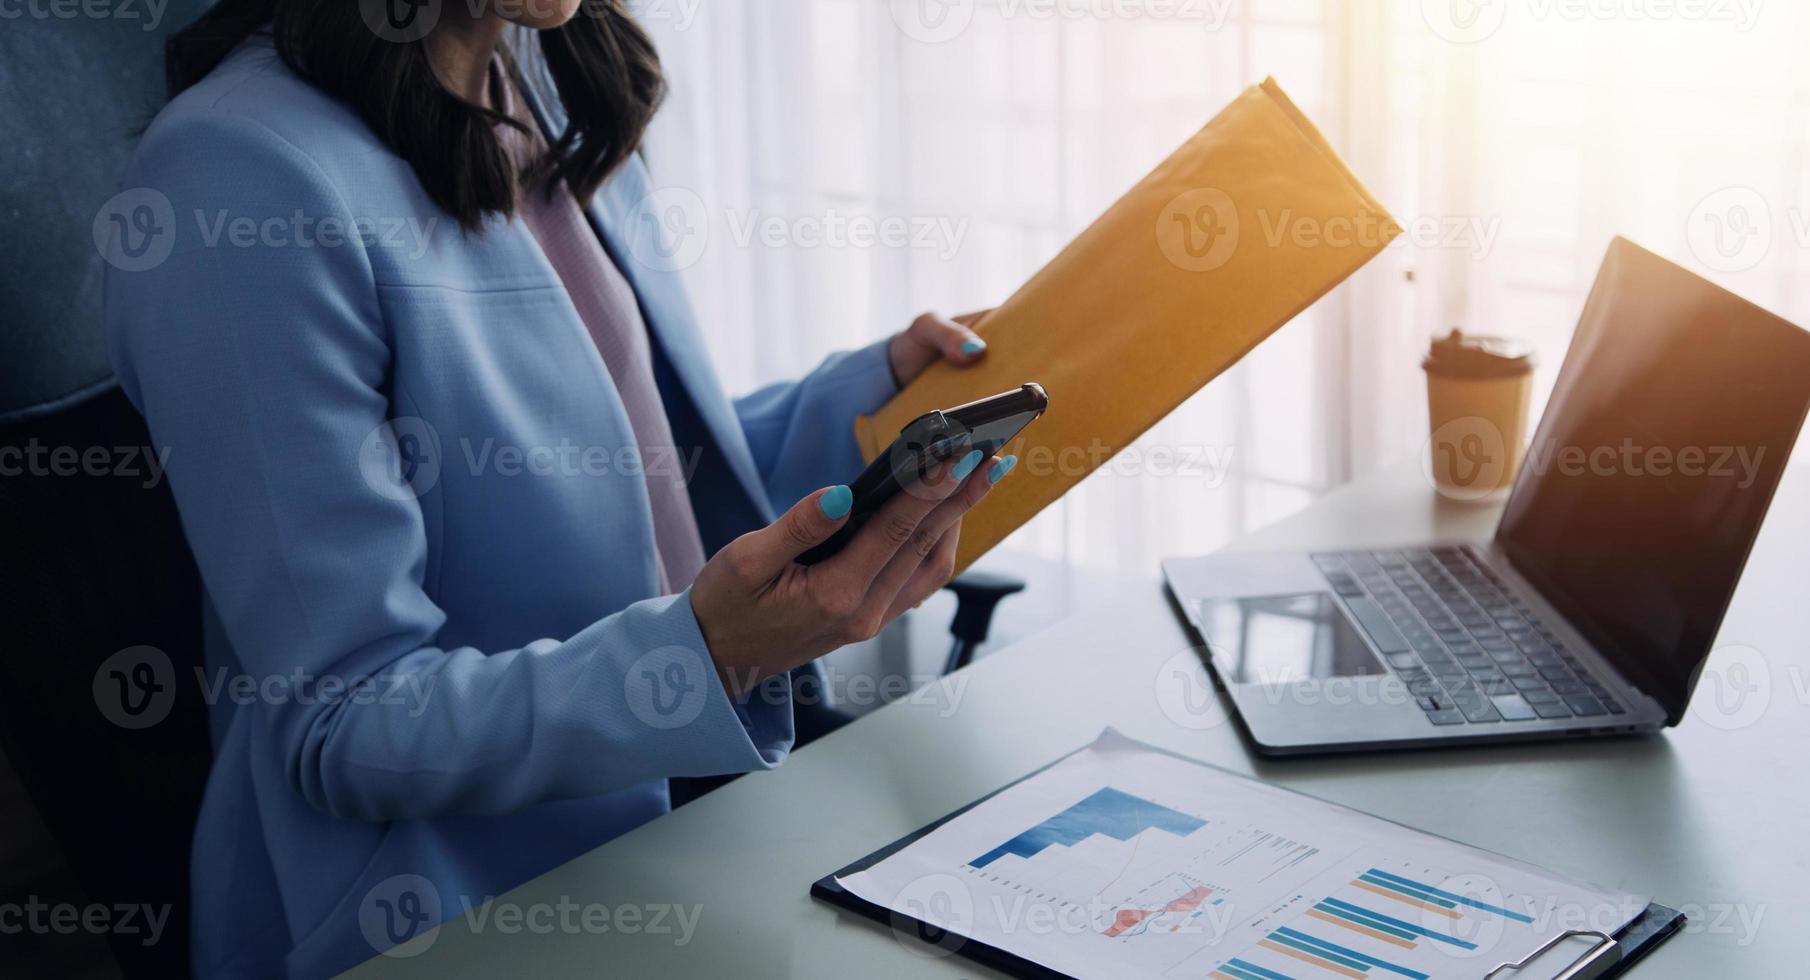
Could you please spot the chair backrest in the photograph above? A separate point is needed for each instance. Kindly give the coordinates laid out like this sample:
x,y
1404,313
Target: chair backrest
x,y
93,563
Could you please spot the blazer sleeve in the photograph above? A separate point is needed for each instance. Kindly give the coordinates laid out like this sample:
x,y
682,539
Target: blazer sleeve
x,y
802,432
262,371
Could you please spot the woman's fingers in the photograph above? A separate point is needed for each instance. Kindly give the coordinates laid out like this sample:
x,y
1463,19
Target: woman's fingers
x,y
856,566
761,556
970,488
978,478
930,338
930,576
955,340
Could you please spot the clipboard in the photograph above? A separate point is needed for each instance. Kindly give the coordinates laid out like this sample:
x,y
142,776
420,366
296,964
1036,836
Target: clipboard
x,y
1611,956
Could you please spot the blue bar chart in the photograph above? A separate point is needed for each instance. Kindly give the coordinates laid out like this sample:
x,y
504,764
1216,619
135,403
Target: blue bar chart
x,y
1108,812
1376,923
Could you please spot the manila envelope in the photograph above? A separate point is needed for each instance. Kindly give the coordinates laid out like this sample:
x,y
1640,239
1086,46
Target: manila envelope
x,y
1239,230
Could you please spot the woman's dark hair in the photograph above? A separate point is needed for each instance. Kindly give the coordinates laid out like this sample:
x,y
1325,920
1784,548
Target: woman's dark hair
x,y
603,66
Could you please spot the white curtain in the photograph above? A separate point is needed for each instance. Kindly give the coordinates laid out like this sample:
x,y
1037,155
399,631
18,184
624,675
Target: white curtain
x,y
857,161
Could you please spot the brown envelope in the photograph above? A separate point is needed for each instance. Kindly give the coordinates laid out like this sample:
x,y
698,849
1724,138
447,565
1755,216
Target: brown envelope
x,y
1239,230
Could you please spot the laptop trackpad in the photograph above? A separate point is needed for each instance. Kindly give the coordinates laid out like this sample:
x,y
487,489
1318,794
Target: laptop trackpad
x,y
1282,639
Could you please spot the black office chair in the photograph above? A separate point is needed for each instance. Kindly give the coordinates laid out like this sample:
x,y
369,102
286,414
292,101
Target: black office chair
x,y
977,595
91,564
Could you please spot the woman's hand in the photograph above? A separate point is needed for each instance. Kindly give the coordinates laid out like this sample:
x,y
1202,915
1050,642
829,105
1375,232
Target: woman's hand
x,y
931,338
763,614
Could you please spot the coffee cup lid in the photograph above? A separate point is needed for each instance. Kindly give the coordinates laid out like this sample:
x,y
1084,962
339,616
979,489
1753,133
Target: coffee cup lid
x,y
1470,356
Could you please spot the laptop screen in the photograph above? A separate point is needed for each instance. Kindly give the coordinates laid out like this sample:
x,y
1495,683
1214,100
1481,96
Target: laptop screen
x,y
1645,485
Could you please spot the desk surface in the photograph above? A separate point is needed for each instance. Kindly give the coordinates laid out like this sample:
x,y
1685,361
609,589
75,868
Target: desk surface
x,y
1709,817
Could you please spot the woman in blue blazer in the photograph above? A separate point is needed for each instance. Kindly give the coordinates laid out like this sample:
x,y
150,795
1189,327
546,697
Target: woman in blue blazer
x,y
449,643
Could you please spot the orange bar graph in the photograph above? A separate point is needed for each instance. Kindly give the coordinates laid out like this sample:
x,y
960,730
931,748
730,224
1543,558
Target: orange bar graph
x,y
1363,930
1309,958
1405,900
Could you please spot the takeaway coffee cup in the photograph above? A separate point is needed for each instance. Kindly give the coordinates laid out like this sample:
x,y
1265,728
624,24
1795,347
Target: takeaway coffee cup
x,y
1477,394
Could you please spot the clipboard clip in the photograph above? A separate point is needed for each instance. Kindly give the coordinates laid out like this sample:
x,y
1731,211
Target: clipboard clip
x,y
1605,954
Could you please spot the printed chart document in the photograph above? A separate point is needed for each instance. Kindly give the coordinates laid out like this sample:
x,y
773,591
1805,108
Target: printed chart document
x,y
1125,861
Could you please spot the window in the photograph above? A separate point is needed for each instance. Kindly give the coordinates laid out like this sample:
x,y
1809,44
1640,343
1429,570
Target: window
x,y
994,130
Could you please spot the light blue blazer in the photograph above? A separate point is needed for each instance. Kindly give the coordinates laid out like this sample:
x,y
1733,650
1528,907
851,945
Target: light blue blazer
x,y
401,460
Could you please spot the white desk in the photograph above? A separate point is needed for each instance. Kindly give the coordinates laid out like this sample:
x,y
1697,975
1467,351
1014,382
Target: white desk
x,y
1713,821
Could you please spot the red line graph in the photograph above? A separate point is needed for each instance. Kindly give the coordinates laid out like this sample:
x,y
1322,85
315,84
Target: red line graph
x,y
1127,919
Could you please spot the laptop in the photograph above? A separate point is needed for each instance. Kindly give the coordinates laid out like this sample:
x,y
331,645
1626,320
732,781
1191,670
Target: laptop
x,y
1592,609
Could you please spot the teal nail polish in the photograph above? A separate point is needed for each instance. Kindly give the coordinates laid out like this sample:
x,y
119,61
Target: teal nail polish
x,y
835,502
973,346
1001,468
967,464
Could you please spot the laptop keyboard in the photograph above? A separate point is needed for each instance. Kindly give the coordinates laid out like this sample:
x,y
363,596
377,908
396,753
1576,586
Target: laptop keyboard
x,y
1470,651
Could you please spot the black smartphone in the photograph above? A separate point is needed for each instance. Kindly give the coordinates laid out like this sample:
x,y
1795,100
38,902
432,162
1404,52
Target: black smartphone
x,y
929,439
